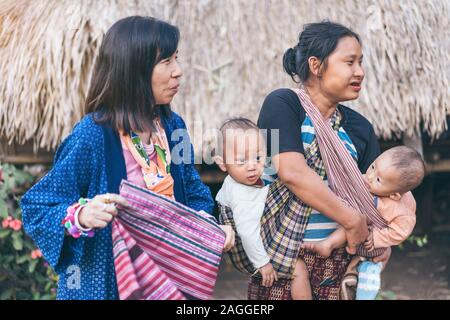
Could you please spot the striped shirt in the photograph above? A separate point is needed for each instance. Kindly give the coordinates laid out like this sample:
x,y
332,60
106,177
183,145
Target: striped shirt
x,y
320,226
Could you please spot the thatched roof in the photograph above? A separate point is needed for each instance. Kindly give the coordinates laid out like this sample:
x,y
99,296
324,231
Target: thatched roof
x,y
231,54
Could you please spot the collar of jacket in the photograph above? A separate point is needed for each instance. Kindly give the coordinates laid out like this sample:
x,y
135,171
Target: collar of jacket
x,y
115,162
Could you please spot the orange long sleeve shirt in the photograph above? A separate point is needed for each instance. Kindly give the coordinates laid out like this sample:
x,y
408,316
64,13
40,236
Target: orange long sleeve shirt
x,y
401,218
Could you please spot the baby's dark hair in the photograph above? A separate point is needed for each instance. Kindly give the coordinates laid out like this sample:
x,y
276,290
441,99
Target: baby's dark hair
x,y
238,123
409,165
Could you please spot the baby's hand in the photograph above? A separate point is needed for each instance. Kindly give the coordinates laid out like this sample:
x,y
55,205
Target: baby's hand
x,y
268,274
368,244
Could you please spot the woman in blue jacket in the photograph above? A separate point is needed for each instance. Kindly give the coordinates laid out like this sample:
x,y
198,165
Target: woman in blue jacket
x,y
134,80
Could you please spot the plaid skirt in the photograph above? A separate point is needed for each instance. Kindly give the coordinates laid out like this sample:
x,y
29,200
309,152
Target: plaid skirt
x,y
325,276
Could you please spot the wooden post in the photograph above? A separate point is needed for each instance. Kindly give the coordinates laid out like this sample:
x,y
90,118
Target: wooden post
x,y
424,193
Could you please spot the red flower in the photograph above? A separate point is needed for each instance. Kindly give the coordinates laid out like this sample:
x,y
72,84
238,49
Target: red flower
x,y
7,222
35,254
16,225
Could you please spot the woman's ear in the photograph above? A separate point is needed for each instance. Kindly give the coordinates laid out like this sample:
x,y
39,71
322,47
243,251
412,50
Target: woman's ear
x,y
395,196
314,66
220,163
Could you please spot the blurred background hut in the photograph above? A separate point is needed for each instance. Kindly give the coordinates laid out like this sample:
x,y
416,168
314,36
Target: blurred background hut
x,y
231,53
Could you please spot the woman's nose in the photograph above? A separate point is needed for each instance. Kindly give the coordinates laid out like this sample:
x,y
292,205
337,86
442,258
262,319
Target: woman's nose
x,y
177,72
359,72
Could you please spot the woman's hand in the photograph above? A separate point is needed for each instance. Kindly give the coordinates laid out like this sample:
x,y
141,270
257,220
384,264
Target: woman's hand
x,y
384,258
356,232
268,274
229,237
308,186
100,211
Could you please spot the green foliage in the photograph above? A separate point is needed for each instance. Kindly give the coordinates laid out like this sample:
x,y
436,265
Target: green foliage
x,y
419,241
24,274
386,295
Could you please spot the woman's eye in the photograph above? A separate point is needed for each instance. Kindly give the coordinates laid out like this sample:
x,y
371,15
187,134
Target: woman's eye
x,y
349,63
373,167
378,180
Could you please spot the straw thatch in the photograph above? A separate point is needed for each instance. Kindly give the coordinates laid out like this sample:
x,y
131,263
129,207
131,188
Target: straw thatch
x,y
231,54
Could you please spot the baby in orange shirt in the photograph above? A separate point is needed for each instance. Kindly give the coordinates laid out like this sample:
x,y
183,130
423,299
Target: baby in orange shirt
x,y
390,178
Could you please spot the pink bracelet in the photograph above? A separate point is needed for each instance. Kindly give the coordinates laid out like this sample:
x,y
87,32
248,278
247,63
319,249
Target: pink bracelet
x,y
70,222
77,221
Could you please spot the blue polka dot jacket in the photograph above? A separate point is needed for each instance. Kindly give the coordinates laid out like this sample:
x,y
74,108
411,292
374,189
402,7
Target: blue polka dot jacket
x,y
87,163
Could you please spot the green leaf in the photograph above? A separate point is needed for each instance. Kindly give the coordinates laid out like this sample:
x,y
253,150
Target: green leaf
x,y
17,242
48,286
5,295
3,209
29,245
23,258
4,233
32,266
47,297
389,295
8,259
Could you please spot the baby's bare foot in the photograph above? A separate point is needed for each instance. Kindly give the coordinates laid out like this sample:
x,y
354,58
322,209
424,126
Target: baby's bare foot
x,y
321,247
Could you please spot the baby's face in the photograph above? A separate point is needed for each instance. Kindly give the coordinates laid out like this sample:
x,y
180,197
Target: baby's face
x,y
245,156
381,177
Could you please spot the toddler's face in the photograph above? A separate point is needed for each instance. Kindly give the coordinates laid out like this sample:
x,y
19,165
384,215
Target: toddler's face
x,y
381,177
245,156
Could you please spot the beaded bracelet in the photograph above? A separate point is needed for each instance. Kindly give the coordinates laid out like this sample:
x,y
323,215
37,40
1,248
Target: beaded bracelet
x,y
70,222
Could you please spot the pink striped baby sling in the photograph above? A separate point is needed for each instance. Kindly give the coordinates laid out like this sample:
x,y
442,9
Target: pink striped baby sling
x,y
162,249
344,177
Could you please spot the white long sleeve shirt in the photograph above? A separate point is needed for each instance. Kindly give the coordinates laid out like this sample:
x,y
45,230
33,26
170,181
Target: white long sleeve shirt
x,y
247,204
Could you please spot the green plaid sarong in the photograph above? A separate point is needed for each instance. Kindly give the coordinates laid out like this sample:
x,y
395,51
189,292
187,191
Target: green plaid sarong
x,y
284,219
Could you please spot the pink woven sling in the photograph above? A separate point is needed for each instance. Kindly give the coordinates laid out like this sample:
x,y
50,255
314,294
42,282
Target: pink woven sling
x,y
344,177
163,249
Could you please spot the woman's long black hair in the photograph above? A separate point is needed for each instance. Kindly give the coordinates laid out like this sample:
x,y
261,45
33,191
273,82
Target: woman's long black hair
x,y
120,93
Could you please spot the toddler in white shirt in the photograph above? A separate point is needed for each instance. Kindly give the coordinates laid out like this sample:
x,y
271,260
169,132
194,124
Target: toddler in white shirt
x,y
243,157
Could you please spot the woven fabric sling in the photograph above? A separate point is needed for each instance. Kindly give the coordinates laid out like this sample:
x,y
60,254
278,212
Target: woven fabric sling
x,y
343,174
163,249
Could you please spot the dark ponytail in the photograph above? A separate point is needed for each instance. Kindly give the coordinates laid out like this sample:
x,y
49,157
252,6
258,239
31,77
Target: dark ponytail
x,y
316,40
289,62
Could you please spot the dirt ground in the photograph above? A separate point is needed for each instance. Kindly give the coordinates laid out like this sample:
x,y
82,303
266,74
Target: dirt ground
x,y
412,274
420,274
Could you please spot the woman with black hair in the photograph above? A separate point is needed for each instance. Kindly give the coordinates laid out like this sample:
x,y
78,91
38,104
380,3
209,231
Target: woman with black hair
x,y
327,62
126,134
